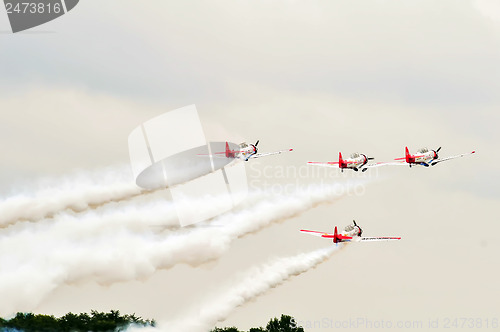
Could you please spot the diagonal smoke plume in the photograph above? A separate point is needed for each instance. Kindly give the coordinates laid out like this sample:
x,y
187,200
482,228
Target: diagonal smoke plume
x,y
119,246
258,281
76,192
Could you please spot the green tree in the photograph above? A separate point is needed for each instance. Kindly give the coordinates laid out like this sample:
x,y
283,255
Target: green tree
x,y
20,321
96,322
226,329
284,324
43,323
72,322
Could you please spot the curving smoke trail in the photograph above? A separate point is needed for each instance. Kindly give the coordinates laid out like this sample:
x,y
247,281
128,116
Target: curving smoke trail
x,y
76,192
120,246
258,281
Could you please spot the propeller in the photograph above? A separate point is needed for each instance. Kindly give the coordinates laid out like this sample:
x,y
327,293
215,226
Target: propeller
x,y
360,230
367,158
255,146
436,153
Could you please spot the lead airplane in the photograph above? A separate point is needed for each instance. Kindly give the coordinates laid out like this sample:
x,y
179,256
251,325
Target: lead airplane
x,y
352,233
356,162
423,157
245,152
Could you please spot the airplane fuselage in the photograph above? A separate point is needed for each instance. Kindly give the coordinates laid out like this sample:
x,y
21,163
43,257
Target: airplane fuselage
x,y
422,158
246,151
352,233
354,163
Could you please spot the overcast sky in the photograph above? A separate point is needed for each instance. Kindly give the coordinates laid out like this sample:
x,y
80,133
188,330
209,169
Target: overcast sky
x,y
318,76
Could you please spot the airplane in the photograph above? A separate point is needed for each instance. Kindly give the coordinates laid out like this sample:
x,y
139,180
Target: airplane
x,y
352,234
246,151
356,162
424,157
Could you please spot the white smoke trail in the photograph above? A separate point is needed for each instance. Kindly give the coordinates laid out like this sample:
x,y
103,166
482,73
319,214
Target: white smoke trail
x,y
117,247
258,281
75,192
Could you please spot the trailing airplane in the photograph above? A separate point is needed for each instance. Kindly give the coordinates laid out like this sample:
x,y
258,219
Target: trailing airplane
x,y
423,157
352,233
246,151
356,162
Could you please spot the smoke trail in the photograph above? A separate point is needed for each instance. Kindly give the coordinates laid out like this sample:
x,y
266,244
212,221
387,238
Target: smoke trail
x,y
40,257
258,281
75,192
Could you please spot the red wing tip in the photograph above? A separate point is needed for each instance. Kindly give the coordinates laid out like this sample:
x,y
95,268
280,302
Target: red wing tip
x,y
309,231
473,151
320,162
290,150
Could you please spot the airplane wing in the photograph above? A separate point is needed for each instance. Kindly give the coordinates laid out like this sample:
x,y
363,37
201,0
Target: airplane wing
x,y
215,156
212,155
222,156
218,154
328,164
452,157
258,155
348,238
380,238
327,235
315,233
392,163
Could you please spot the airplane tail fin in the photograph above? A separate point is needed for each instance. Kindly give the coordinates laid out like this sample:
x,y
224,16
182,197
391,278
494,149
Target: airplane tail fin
x,y
407,154
335,235
341,161
228,151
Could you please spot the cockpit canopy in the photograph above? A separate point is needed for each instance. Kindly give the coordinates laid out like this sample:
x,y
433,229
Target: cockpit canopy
x,y
354,155
244,145
349,228
423,150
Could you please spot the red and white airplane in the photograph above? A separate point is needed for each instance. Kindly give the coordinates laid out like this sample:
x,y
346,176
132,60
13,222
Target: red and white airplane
x,y
352,233
245,152
423,157
356,162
